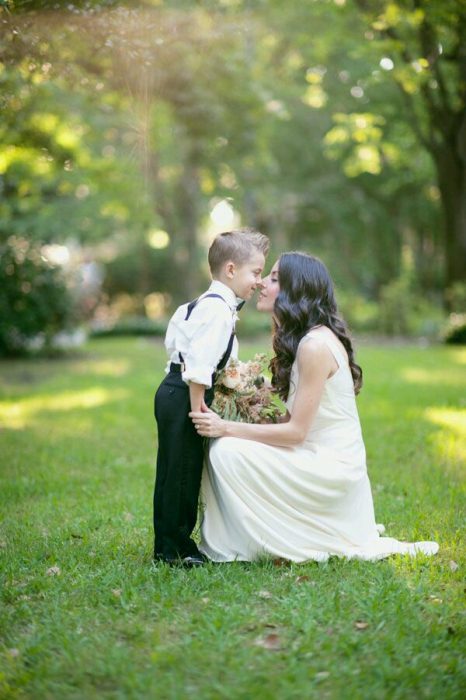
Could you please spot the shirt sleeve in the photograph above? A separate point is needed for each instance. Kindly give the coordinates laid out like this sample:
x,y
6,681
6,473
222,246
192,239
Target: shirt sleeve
x,y
211,325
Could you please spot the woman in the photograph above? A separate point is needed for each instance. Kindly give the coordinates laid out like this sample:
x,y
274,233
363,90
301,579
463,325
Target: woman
x,y
297,490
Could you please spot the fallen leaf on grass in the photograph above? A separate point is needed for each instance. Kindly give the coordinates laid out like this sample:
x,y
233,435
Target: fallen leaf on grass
x,y
302,579
281,562
129,517
453,565
14,653
322,675
265,594
54,571
116,592
255,625
205,600
360,625
272,642
435,599
250,627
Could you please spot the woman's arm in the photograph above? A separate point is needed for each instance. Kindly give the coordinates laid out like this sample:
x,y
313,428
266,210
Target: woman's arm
x,y
315,365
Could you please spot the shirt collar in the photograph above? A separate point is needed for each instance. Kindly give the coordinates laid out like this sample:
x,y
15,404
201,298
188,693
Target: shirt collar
x,y
226,293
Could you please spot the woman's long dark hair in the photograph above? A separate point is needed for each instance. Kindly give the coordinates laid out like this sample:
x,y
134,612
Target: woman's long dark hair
x,y
306,299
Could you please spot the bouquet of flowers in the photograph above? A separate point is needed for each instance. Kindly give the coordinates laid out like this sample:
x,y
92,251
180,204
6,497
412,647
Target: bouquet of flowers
x,y
242,393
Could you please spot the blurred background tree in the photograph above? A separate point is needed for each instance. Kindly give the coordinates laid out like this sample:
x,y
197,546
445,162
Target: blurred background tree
x,y
133,132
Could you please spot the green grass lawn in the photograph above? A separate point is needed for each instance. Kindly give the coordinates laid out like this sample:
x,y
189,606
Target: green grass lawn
x,y
84,613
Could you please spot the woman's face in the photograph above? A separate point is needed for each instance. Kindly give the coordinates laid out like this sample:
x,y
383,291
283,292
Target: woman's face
x,y
269,291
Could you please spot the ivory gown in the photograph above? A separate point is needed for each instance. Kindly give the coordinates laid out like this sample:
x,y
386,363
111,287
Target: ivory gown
x,y
306,502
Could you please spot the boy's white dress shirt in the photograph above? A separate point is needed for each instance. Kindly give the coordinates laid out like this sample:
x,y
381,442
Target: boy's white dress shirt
x,y
203,338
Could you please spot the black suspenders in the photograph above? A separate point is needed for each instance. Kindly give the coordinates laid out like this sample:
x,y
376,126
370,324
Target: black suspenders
x,y
226,355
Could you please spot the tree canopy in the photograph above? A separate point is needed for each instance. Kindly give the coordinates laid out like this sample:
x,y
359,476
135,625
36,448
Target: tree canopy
x,y
335,126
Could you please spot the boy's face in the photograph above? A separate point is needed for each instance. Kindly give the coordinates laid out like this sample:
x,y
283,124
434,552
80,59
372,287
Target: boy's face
x,y
245,279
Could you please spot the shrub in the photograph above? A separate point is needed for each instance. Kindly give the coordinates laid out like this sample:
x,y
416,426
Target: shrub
x,y
455,296
395,307
35,303
252,323
359,313
454,332
131,325
405,312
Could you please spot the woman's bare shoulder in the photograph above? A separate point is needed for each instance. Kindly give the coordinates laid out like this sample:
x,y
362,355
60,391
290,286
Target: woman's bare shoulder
x,y
313,350
323,334
313,343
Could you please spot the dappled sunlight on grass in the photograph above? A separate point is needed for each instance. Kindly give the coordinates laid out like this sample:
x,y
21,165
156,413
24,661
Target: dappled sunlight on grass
x,y
450,441
416,375
18,414
453,419
440,366
107,368
460,355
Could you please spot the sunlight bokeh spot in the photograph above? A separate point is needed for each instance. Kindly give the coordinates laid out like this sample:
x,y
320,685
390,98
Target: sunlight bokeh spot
x,y
315,97
223,217
156,305
357,91
158,239
56,254
386,63
223,214
82,191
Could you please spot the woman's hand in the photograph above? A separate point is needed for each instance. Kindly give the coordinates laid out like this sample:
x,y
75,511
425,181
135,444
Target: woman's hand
x,y
208,424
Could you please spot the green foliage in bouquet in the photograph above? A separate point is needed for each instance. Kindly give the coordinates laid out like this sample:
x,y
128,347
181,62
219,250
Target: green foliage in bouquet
x,y
243,394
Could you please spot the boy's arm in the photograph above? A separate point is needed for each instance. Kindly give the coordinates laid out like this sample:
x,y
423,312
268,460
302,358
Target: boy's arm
x,y
211,329
196,396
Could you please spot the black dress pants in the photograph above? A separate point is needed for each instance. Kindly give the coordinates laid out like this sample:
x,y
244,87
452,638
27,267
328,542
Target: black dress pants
x,y
180,460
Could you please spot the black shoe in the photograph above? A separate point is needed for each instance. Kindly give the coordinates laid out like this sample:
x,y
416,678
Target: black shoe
x,y
189,562
193,561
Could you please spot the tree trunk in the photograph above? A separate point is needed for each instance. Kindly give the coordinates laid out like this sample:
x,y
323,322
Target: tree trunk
x,y
451,171
179,214
188,253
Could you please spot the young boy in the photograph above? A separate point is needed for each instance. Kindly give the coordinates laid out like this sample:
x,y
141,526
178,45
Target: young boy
x,y
200,339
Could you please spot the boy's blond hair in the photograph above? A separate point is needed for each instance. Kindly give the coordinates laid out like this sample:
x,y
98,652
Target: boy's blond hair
x,y
237,246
